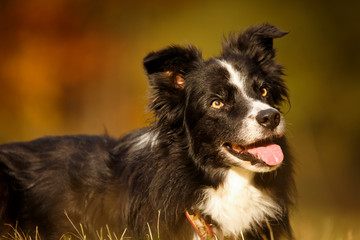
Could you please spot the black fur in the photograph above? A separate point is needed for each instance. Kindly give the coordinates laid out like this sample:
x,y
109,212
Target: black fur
x,y
125,182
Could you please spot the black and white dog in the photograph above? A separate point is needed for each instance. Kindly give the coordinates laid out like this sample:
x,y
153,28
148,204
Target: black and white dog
x,y
213,165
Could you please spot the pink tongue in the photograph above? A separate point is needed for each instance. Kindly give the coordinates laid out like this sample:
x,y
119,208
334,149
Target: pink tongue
x,y
271,154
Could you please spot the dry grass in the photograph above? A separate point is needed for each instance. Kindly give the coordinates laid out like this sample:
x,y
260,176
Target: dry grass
x,y
326,224
78,233
18,234
307,226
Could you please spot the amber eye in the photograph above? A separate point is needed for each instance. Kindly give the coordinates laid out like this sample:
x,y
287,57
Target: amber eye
x,y
217,104
264,92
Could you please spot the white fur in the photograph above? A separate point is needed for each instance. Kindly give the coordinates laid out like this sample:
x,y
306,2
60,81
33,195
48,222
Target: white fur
x,y
146,139
251,131
235,78
196,237
237,204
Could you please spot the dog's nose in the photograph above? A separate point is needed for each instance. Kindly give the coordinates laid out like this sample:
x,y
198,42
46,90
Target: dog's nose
x,y
269,118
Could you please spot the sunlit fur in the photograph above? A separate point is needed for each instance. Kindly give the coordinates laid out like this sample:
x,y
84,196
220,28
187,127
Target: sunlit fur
x,y
237,204
178,162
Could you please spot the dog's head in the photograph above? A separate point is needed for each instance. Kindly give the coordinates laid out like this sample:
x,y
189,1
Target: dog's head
x,y
227,107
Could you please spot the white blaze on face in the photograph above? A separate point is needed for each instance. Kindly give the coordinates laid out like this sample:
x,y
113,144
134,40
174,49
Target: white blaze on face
x,y
251,131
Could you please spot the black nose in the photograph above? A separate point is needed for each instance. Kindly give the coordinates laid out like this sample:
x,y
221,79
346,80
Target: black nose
x,y
269,118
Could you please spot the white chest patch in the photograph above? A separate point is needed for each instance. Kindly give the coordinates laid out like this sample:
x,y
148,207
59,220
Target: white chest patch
x,y
237,204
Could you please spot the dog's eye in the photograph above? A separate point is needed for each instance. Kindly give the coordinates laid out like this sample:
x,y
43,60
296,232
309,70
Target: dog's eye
x,y
264,92
217,104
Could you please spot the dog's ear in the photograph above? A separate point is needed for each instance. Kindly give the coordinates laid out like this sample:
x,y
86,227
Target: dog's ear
x,y
256,42
167,71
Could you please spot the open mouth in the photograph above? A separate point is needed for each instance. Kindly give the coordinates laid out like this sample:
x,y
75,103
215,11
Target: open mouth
x,y
263,152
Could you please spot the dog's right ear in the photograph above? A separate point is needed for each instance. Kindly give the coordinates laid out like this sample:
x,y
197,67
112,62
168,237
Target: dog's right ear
x,y
167,71
172,63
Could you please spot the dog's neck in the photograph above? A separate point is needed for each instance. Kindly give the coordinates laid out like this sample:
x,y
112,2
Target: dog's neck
x,y
237,205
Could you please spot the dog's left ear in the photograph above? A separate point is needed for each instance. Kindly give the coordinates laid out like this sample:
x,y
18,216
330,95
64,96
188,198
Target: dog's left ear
x,y
167,71
256,42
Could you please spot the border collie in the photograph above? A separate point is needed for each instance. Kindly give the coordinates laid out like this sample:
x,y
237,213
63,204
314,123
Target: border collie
x,y
214,164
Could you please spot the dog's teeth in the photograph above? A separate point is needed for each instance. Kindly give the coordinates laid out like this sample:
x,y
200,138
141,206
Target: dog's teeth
x,y
236,148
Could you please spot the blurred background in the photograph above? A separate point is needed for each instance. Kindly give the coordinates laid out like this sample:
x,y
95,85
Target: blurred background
x,y
75,67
